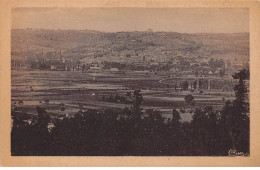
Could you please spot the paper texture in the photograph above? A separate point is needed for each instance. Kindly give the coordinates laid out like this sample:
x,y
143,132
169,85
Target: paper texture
x,y
8,17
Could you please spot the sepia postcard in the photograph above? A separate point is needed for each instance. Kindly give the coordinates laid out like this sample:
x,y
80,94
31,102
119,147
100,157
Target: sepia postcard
x,y
114,83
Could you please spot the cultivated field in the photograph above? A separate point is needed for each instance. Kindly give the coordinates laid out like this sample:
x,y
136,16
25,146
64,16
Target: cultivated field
x,y
84,90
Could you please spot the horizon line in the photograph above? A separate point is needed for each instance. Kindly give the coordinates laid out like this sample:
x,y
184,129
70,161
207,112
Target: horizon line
x,y
58,29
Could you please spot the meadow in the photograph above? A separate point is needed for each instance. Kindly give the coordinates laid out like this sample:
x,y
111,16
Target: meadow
x,y
76,91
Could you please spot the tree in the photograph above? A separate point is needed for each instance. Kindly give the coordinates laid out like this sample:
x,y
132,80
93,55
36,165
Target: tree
x,y
137,103
193,103
235,117
195,84
30,137
175,117
241,89
222,72
129,94
41,125
185,85
212,63
47,101
205,127
62,109
83,67
172,134
221,63
188,98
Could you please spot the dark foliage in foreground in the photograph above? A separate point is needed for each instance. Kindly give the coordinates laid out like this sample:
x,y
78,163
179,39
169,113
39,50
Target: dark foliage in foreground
x,y
128,132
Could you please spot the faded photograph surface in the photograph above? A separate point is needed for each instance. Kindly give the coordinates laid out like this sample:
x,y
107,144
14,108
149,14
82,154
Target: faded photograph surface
x,y
130,82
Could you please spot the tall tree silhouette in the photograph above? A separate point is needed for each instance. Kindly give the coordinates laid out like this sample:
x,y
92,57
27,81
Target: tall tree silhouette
x,y
235,116
138,99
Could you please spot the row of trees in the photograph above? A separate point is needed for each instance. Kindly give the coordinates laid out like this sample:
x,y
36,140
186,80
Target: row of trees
x,y
214,64
132,132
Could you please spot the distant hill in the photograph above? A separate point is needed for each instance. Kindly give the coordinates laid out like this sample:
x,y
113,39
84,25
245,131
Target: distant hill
x,y
85,43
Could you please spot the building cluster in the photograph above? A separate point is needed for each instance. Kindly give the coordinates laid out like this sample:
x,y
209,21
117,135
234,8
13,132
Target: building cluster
x,y
153,58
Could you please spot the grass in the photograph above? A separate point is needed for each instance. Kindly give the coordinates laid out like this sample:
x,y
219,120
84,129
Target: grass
x,y
74,88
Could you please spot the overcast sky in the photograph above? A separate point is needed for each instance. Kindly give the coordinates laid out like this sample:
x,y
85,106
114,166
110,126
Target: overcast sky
x,y
214,20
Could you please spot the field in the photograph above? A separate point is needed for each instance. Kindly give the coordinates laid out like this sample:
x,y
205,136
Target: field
x,y
84,90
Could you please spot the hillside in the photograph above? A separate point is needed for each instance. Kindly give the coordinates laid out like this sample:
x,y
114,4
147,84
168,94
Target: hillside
x,y
93,44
